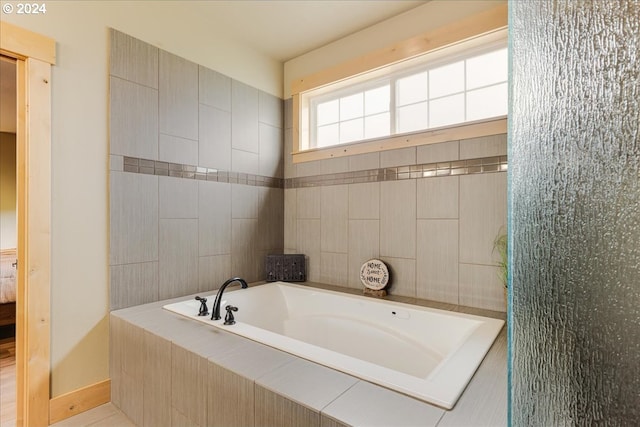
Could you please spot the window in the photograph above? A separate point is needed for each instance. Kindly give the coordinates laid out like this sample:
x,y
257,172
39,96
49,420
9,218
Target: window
x,y
467,86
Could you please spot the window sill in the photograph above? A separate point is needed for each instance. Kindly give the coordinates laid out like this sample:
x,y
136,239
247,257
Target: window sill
x,y
430,136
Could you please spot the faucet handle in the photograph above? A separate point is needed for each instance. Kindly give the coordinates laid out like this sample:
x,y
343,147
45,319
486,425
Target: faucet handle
x,y
229,319
204,310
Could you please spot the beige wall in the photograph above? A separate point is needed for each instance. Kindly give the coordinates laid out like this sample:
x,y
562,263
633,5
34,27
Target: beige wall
x,y
7,190
432,15
80,295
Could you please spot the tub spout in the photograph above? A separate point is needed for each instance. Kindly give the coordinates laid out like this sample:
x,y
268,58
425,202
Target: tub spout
x,y
218,300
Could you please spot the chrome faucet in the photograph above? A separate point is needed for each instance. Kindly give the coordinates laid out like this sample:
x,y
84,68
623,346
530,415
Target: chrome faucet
x,y
218,300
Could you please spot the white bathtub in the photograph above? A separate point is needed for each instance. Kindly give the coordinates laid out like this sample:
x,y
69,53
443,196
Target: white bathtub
x,y
423,352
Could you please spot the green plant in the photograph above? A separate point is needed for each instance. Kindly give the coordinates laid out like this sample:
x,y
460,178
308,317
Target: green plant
x,y
500,244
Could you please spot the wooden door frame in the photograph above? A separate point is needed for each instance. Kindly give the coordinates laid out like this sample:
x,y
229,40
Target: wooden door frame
x,y
35,54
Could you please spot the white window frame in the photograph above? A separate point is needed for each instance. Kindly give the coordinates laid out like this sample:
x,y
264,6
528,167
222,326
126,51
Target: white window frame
x,y
482,28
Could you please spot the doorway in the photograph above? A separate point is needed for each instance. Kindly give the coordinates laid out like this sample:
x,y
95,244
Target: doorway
x,y
34,55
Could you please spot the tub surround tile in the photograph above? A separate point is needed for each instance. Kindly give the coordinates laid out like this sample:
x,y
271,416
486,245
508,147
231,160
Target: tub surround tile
x,y
178,198
116,163
213,271
271,146
244,202
214,89
177,150
288,113
398,157
133,60
214,144
438,197
271,110
326,421
244,117
309,168
437,260
480,286
214,218
244,162
334,214
178,96
335,165
321,386
364,244
290,169
361,162
231,404
271,219
333,268
157,384
134,218
364,201
402,272
441,152
244,245
398,219
241,359
370,405
308,203
188,394
290,219
309,244
271,409
133,284
485,146
133,119
178,268
483,213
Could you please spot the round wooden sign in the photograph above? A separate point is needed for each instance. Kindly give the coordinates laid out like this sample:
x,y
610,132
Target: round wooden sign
x,y
374,274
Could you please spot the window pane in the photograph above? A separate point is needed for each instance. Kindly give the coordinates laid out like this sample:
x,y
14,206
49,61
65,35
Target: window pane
x,y
327,135
351,130
412,89
378,125
487,69
351,106
446,80
445,111
376,100
412,117
487,102
327,112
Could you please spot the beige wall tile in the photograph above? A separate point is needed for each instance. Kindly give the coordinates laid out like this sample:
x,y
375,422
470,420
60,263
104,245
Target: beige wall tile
x,y
483,212
441,152
403,276
480,286
271,110
244,201
244,248
271,146
309,244
437,197
270,219
133,284
335,165
178,198
133,60
398,219
214,218
214,143
362,162
245,111
437,260
398,157
308,203
333,268
177,150
157,384
189,384
334,218
290,218
245,161
178,266
486,146
178,96
277,411
213,271
214,89
290,169
364,201
364,244
230,400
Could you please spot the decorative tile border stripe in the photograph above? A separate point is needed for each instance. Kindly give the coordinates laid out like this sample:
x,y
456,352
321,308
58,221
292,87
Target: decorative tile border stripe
x,y
156,167
427,170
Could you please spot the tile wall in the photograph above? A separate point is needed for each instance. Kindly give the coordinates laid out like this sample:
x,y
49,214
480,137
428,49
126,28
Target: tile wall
x,y
430,212
196,174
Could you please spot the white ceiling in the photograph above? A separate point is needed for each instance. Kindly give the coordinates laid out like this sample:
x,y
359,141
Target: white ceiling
x,y
285,29
279,29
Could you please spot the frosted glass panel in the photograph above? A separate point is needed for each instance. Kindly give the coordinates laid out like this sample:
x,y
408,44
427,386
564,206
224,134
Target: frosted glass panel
x,y
376,126
351,130
445,111
487,69
328,112
327,135
487,102
376,100
574,170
